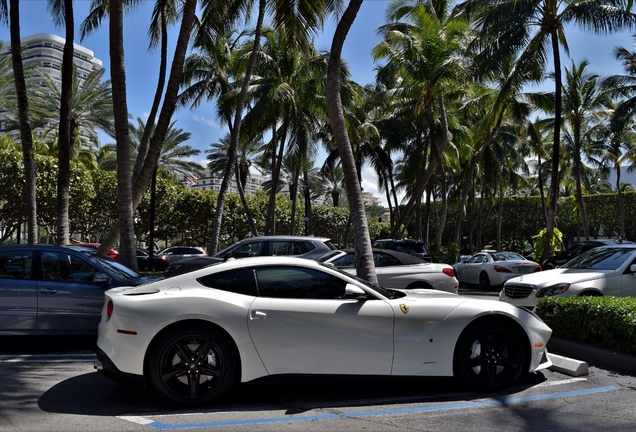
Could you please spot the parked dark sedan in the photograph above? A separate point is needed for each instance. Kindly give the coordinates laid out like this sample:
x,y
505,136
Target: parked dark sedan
x,y
158,263
559,259
54,290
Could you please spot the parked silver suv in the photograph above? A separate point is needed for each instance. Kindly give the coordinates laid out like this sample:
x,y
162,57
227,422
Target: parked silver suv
x,y
279,245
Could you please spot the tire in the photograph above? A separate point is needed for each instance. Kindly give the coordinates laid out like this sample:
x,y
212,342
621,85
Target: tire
x,y
193,365
490,355
484,281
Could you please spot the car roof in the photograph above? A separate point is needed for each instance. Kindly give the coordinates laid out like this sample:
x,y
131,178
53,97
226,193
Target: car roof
x,y
403,257
285,237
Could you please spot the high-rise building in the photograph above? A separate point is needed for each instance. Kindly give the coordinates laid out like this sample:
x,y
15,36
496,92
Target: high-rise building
x,y
44,51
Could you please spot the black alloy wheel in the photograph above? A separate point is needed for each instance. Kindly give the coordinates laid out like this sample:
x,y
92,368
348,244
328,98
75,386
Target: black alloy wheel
x,y
490,355
193,365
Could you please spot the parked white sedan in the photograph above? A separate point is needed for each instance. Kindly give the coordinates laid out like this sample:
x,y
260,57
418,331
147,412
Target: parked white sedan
x,y
193,336
399,270
490,268
604,270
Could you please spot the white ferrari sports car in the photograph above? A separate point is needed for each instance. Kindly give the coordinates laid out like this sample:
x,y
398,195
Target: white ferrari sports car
x,y
191,337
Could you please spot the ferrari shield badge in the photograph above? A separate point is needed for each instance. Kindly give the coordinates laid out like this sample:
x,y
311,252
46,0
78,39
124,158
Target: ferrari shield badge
x,y
404,308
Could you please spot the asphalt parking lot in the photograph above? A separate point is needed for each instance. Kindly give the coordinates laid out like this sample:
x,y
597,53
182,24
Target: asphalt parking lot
x,y
51,391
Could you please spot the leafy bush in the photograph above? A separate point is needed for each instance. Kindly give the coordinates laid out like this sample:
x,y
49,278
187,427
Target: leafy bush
x,y
608,322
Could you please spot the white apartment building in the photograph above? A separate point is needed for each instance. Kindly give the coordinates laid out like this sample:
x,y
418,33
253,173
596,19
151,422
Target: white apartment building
x,y
210,181
44,51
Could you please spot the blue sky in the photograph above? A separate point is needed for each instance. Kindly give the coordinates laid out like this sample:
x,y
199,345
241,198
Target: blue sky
x,y
142,66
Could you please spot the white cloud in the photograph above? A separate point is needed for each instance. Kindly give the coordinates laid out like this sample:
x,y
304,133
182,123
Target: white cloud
x,y
206,121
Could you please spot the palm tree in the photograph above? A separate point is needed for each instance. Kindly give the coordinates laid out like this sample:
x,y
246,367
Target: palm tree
x,y
283,98
247,152
176,160
530,30
91,107
62,14
295,22
365,267
334,183
426,51
583,103
13,13
154,150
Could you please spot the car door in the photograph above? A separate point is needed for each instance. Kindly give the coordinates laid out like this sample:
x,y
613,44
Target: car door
x,y
628,279
301,323
472,267
389,271
68,299
18,290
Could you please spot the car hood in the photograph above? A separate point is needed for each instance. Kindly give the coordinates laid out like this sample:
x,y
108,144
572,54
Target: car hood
x,y
562,275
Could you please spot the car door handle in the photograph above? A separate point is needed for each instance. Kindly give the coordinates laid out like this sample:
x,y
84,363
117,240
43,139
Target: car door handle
x,y
47,290
258,315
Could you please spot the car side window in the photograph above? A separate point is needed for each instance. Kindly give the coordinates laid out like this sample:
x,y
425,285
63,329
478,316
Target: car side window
x,y
282,248
237,281
248,250
298,283
16,264
345,261
62,267
385,260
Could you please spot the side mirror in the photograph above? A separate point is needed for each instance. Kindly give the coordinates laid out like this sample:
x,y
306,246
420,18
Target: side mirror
x,y
101,278
632,268
354,292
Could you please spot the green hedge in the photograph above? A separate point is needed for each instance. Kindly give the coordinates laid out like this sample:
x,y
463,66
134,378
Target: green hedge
x,y
608,322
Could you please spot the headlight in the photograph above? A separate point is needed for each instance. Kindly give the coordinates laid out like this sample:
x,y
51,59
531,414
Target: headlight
x,y
553,290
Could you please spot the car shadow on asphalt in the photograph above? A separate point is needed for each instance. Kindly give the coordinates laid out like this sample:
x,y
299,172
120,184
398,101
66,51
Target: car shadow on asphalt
x,y
93,394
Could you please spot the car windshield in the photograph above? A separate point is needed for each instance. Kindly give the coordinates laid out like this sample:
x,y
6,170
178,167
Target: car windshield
x,y
115,267
505,256
601,259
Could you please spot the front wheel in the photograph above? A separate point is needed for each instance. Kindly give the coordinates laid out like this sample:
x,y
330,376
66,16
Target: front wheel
x,y
490,355
193,365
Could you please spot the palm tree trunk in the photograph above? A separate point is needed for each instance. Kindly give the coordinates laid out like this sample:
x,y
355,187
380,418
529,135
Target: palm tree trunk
x,y
621,202
556,146
26,137
161,81
579,188
365,267
120,107
240,185
64,135
277,159
309,223
170,101
227,175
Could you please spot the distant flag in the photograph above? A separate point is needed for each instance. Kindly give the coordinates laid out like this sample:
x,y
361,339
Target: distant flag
x,y
191,180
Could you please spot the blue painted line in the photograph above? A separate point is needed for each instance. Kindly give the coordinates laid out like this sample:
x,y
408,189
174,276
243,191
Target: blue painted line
x,y
441,407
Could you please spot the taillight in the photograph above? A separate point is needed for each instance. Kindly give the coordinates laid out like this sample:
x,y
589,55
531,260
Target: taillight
x,y
500,269
448,272
109,309
538,269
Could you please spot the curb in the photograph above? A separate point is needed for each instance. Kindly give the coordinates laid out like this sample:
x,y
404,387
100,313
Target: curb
x,y
594,355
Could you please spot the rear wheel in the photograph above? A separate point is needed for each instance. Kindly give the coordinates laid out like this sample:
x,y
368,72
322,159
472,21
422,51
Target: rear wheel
x,y
490,355
484,281
193,365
